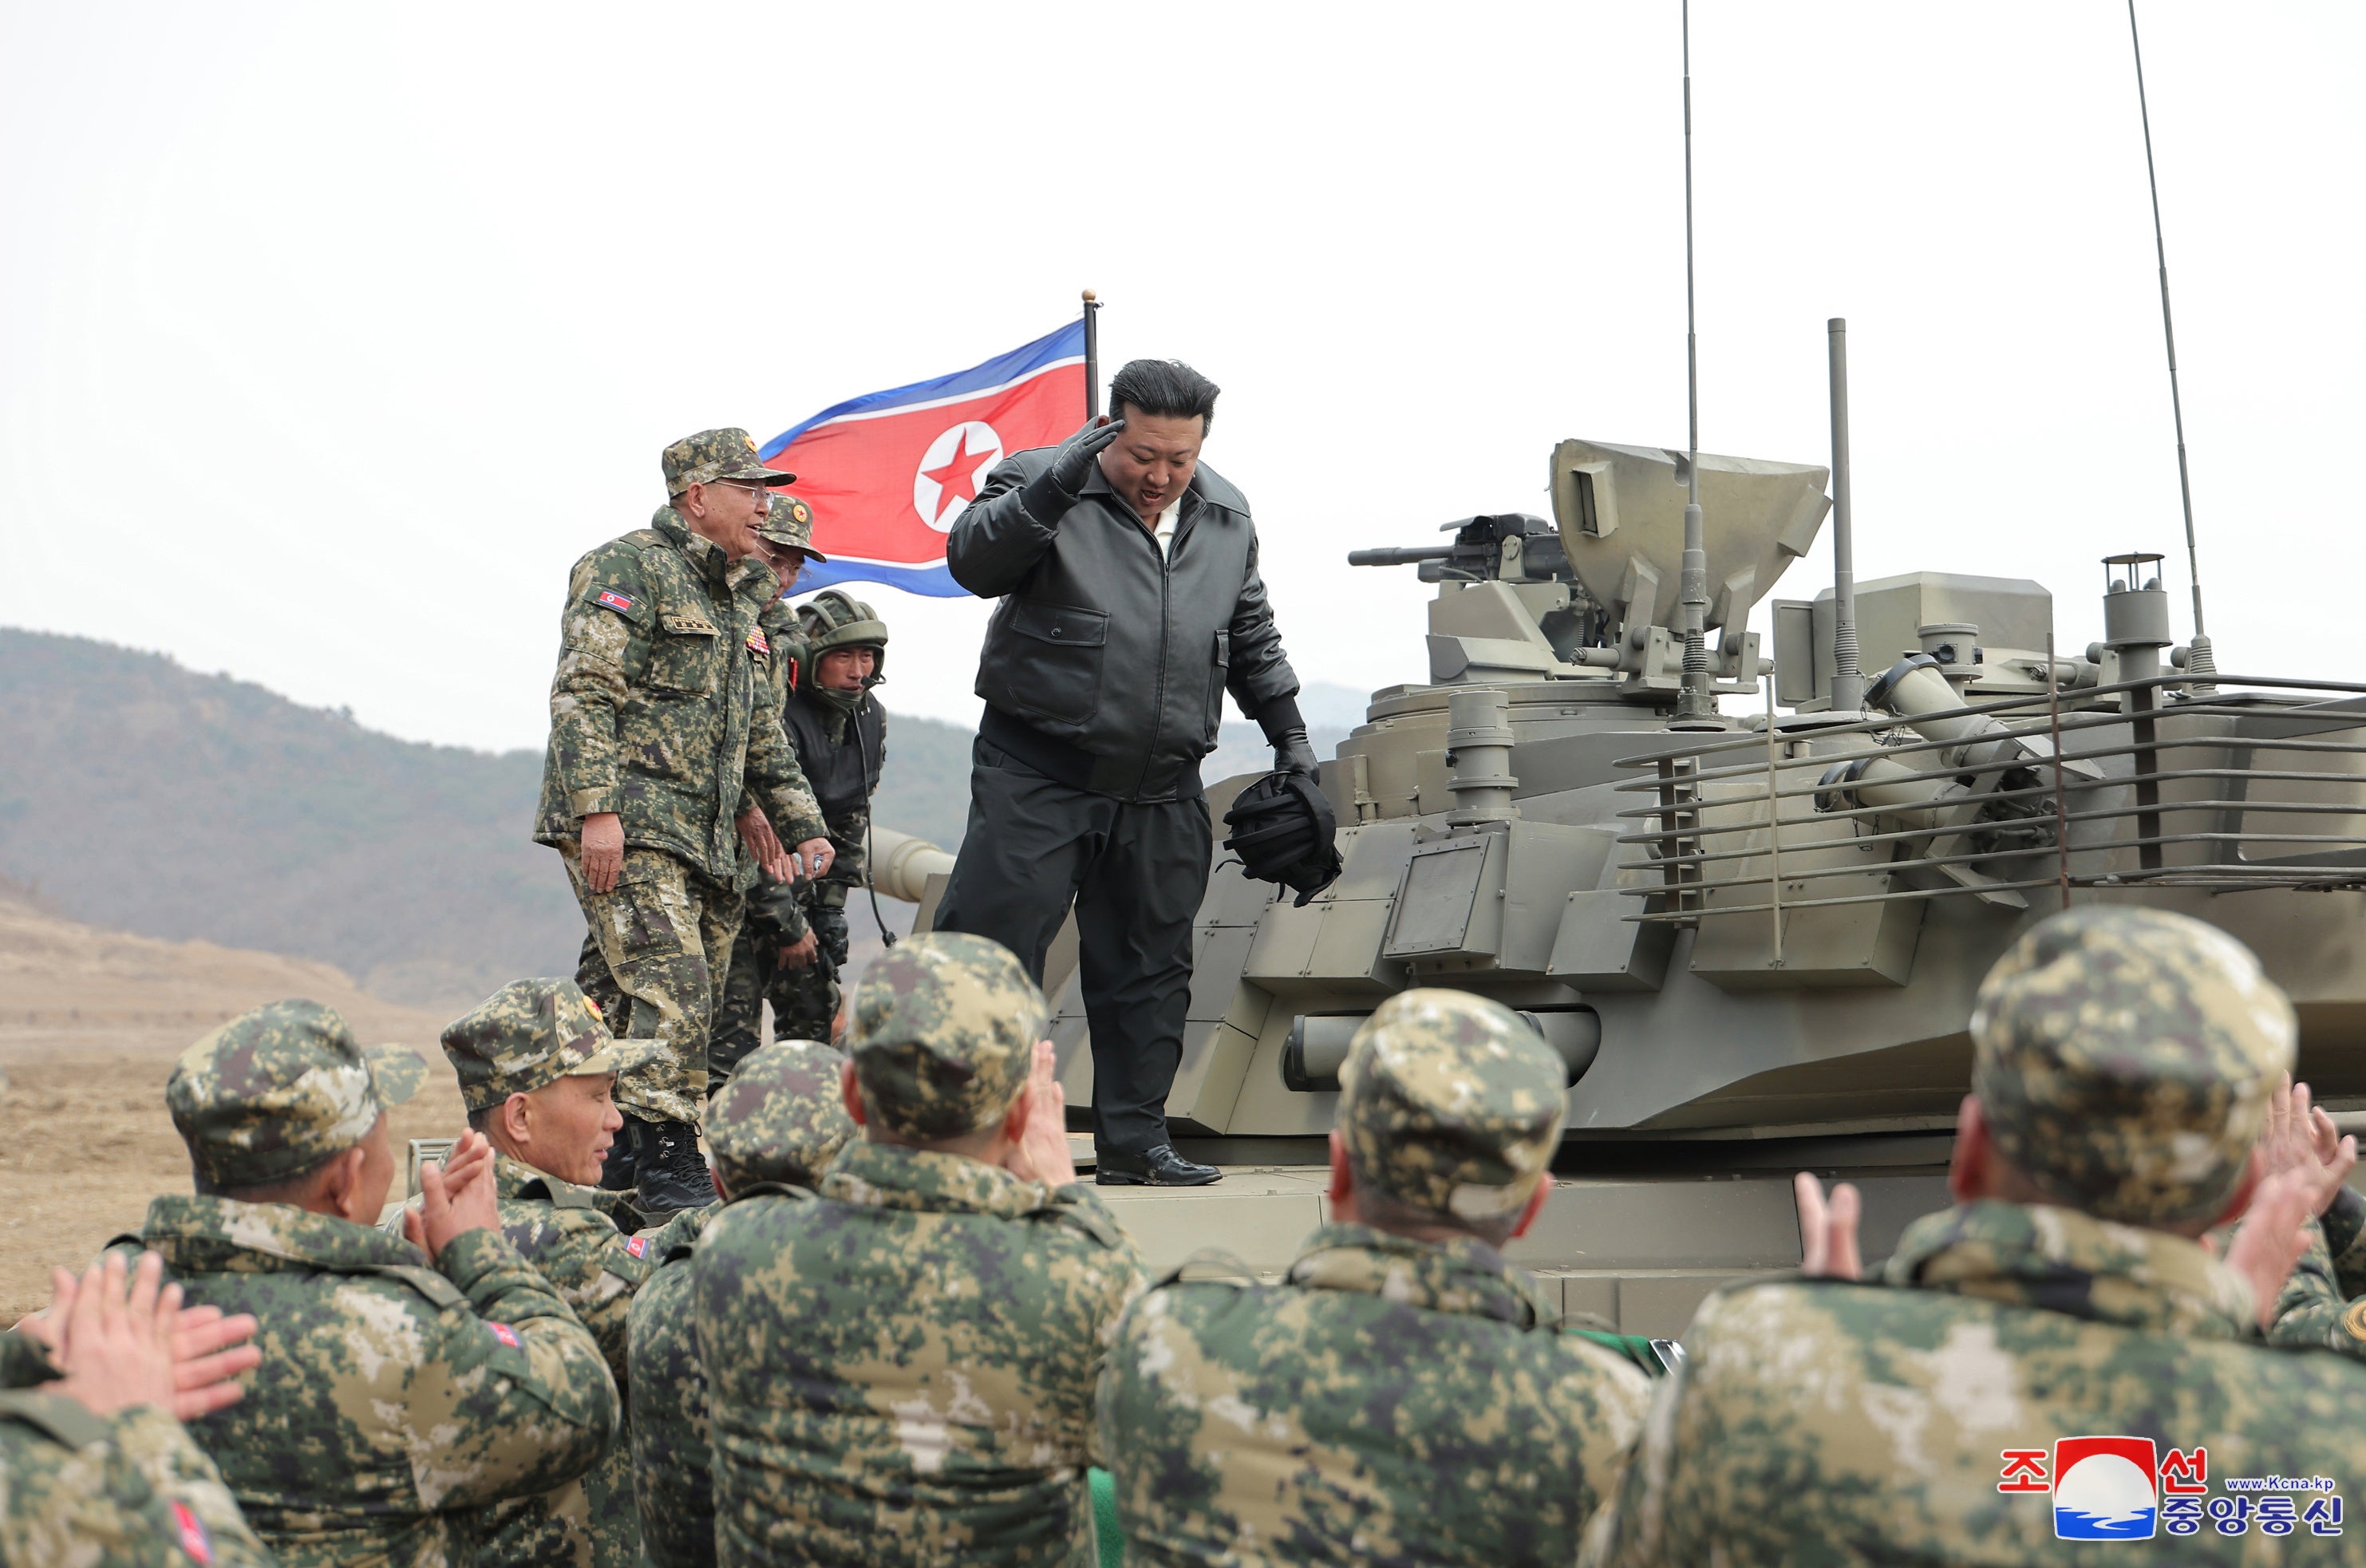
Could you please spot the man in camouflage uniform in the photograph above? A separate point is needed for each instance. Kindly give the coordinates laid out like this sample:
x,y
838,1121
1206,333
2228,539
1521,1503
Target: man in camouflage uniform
x,y
666,752
794,940
1404,1394
403,1384
537,1071
2123,1060
902,1371
94,1469
2323,1303
774,1129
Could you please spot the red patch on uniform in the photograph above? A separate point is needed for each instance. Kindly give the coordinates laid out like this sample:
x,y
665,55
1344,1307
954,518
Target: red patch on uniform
x,y
638,1245
505,1334
615,601
192,1531
756,643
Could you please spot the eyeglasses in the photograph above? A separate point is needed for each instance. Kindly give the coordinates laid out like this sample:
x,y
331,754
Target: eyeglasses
x,y
761,492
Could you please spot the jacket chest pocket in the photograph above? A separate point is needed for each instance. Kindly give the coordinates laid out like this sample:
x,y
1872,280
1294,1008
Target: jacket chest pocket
x,y
685,657
1058,668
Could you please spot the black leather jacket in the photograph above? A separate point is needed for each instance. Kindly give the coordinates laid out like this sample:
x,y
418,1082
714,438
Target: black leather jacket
x,y
1106,664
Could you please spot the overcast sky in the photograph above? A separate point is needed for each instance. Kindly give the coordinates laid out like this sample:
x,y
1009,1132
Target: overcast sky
x,y
331,335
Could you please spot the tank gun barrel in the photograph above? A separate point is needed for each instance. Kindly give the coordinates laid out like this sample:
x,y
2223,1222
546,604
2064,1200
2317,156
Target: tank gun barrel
x,y
1407,554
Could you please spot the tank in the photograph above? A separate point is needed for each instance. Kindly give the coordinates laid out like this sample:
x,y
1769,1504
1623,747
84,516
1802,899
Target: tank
x,y
1754,943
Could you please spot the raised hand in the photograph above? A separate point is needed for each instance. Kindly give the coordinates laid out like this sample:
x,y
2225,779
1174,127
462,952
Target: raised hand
x,y
1072,464
2301,1140
2273,1236
1041,1152
456,1197
1828,1244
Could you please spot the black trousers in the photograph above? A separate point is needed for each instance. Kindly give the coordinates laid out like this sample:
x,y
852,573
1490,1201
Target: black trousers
x,y
1136,873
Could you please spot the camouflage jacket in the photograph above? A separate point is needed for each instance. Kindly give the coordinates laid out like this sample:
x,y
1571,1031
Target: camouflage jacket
x,y
1390,1402
661,710
2324,1303
903,1372
560,1228
671,1459
395,1397
124,1490
1830,1421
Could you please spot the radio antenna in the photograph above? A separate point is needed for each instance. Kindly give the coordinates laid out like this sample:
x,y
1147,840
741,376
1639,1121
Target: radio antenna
x,y
2199,660
1696,703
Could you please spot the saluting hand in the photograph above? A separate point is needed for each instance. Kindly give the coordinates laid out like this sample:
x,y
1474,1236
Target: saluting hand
x,y
1072,464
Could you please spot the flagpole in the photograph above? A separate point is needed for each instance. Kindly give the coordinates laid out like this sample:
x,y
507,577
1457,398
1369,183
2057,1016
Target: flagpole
x,y
1092,356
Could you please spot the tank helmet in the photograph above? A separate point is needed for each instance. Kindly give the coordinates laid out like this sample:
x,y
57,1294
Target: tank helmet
x,y
1284,830
834,619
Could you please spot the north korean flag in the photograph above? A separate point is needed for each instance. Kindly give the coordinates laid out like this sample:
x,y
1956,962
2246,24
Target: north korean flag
x,y
887,473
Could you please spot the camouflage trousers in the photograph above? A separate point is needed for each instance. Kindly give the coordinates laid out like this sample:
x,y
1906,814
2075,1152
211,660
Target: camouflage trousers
x,y
655,960
805,1000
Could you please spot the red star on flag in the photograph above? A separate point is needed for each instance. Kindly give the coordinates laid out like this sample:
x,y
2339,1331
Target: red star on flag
x,y
956,481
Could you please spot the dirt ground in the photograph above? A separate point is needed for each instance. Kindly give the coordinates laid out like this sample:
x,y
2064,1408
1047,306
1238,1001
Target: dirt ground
x,y
90,1021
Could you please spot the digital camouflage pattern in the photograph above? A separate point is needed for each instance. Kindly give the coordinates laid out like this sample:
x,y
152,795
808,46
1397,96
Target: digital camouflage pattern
x,y
789,521
558,1227
774,1129
944,1035
713,455
671,1483
395,1398
2324,1303
782,1117
646,964
658,709
276,1091
1391,1401
2123,1058
1838,1423
663,711
531,1034
1448,1102
124,1490
903,1372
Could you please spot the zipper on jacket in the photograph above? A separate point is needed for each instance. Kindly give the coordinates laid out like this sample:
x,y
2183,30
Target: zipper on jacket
x,y
1166,624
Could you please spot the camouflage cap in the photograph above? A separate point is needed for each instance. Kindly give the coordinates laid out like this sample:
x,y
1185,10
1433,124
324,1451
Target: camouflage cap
x,y
782,1117
2123,1058
531,1034
790,523
1449,1102
273,1093
944,1033
713,455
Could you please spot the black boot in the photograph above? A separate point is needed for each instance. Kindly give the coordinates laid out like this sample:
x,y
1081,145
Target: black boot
x,y
673,1175
1162,1166
619,1173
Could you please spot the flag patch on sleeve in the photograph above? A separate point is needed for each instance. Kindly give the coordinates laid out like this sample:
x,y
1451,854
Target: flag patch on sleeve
x,y
638,1245
191,1531
756,643
505,1334
615,601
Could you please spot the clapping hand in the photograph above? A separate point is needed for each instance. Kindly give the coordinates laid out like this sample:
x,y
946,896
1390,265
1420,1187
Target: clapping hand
x,y
1828,1246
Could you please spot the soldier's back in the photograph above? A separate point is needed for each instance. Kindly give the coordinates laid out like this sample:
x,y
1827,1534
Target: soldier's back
x,y
124,1490
1832,1422
1392,1401
903,1372
392,1399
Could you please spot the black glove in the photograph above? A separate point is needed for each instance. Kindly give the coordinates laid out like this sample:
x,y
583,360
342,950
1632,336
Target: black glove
x,y
1293,754
1285,731
1047,499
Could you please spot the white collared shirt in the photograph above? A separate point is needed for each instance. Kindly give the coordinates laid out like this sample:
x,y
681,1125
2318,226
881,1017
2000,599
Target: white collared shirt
x,y
1164,532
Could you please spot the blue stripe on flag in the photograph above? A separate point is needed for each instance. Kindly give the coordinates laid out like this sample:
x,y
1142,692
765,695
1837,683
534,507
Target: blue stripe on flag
x,y
1068,343
934,581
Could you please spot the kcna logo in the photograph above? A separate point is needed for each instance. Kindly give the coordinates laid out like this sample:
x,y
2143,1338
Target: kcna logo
x,y
2124,1489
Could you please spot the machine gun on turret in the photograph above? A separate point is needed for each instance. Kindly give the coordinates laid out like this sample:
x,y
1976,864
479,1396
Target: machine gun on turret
x,y
1508,547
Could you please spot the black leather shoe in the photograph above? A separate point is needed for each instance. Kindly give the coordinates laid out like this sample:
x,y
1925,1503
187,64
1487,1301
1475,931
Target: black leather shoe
x,y
1162,1166
673,1174
619,1173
